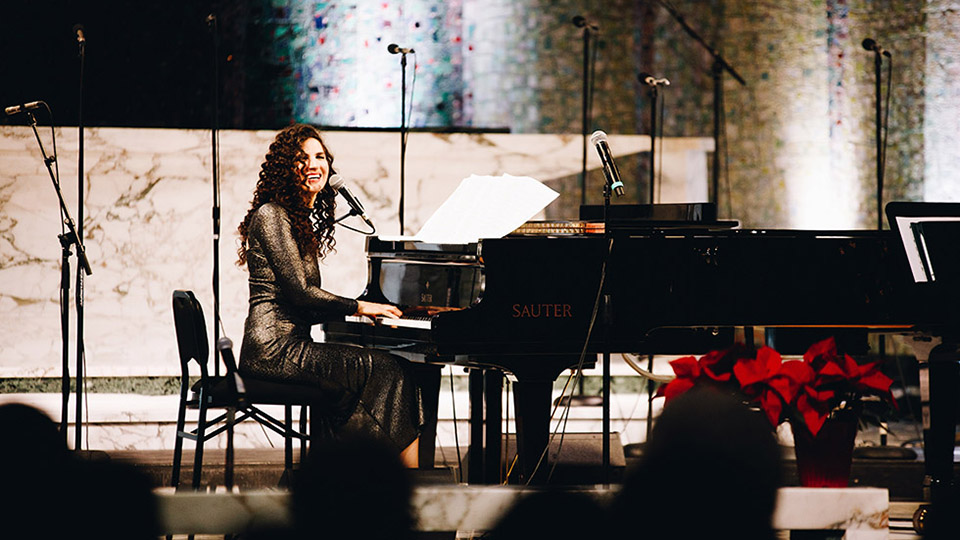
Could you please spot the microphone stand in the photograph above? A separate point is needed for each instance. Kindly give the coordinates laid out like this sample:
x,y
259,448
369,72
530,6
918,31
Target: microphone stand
x,y
653,175
719,66
607,321
877,60
586,102
215,151
67,239
653,141
403,130
881,155
584,109
81,355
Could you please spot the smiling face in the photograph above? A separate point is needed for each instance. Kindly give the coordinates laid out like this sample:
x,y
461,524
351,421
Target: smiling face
x,y
314,169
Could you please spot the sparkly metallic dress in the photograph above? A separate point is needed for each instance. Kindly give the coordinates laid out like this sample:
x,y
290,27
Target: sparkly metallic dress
x,y
370,388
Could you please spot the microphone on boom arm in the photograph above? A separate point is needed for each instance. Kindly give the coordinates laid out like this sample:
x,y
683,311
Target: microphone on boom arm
x,y
610,171
337,184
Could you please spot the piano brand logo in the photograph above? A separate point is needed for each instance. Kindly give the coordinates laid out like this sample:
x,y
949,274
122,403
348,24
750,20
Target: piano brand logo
x,y
536,311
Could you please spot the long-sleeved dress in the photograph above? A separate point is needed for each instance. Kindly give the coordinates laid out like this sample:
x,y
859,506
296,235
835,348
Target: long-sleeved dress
x,y
370,388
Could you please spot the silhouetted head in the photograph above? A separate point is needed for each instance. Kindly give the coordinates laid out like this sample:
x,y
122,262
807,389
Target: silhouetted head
x,y
711,467
555,514
355,487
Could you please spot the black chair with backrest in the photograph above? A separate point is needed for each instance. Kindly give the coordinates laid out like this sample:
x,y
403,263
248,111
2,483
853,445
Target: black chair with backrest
x,y
238,396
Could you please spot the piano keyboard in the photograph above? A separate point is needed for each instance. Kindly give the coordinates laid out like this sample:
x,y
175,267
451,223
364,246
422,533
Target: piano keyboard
x,y
420,323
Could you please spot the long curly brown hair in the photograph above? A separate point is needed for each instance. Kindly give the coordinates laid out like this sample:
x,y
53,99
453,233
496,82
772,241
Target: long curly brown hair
x,y
281,183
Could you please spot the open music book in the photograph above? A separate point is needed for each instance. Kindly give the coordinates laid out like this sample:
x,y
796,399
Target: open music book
x,y
483,207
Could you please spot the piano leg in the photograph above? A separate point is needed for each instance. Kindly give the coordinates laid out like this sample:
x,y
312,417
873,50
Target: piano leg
x,y
493,416
533,401
475,450
939,383
486,395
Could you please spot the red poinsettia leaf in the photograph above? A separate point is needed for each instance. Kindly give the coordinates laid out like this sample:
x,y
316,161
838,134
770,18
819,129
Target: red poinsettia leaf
x,y
712,358
686,366
711,367
850,367
750,371
875,381
867,368
771,358
710,371
812,416
772,406
817,395
826,348
798,371
718,365
786,387
831,370
753,370
674,388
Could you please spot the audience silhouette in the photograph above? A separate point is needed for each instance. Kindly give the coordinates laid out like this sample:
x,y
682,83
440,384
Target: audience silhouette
x,y
556,514
710,469
352,487
52,493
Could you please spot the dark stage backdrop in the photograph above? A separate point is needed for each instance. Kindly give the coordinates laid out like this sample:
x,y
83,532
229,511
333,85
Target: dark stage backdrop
x,y
147,63
479,65
799,145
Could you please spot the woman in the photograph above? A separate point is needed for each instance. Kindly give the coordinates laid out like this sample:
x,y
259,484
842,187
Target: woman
x,y
288,227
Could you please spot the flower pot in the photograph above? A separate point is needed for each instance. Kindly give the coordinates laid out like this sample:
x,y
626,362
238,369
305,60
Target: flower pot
x,y
825,460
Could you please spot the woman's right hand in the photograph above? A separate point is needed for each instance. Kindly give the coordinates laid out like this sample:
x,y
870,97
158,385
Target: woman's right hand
x,y
374,310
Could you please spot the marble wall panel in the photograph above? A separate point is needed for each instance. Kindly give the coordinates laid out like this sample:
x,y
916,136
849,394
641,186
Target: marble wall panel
x,y
148,229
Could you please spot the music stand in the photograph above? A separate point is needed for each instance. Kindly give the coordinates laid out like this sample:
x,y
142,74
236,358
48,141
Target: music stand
x,y
922,228
928,234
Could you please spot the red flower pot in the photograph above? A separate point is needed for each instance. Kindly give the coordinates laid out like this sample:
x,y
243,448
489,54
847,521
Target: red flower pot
x,y
825,460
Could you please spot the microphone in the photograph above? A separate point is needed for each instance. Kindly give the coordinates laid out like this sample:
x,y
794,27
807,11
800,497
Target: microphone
x,y
581,22
650,80
873,46
599,140
78,31
393,48
16,109
336,183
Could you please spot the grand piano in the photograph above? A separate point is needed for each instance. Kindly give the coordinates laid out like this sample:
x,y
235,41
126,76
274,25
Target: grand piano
x,y
526,304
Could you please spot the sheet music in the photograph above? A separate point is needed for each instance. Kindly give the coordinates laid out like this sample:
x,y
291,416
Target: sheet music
x,y
484,207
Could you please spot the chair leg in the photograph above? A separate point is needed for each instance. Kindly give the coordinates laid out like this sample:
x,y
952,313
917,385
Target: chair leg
x,y
201,436
304,412
288,438
178,442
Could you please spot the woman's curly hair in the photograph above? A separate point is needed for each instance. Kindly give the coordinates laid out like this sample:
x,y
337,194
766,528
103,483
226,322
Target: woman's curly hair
x,y
281,183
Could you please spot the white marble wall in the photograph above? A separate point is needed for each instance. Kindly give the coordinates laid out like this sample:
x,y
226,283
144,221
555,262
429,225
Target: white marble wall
x,y
148,231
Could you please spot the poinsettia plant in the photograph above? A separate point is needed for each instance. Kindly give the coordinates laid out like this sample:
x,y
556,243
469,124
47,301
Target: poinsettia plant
x,y
809,390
